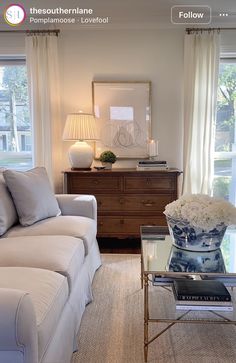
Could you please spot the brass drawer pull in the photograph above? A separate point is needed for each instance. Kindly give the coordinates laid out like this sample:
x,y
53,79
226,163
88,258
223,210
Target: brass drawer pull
x,y
100,223
96,181
148,203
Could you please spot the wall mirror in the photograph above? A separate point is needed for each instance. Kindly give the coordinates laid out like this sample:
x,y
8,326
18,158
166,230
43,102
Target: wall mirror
x,y
123,112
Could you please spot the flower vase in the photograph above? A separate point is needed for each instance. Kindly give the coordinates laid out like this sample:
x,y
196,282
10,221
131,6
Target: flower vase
x,y
192,238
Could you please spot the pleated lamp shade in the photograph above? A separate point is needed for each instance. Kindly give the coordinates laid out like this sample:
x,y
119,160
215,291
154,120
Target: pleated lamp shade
x,y
80,127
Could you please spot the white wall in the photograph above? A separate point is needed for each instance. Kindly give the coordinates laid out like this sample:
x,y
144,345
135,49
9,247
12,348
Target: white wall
x,y
228,42
155,55
12,44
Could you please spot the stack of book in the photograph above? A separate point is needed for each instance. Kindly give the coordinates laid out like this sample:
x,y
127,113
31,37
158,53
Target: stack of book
x,y
152,165
158,280
201,295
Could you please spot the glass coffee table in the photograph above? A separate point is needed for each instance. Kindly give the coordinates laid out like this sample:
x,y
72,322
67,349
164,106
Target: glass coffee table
x,y
162,262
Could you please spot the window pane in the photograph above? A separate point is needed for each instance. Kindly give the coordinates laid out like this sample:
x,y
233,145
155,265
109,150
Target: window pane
x,y
15,125
225,136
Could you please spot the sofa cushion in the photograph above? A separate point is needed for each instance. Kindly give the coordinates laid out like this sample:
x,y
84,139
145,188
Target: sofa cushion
x,y
75,226
32,195
49,293
8,215
61,254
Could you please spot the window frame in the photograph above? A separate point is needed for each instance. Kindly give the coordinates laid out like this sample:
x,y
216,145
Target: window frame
x,y
16,60
228,155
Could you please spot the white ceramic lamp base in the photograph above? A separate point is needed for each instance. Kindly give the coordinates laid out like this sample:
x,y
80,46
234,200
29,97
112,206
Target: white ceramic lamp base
x,y
81,155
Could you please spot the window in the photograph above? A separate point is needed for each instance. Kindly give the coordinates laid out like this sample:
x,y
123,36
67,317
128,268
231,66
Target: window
x,y
225,135
15,125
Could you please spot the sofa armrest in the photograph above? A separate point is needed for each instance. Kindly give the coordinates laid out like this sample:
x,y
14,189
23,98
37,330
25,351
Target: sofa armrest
x,y
18,333
78,205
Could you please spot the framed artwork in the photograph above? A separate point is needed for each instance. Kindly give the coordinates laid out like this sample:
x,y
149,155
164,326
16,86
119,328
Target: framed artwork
x,y
123,113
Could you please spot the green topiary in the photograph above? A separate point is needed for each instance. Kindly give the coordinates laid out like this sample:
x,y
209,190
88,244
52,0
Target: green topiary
x,y
107,157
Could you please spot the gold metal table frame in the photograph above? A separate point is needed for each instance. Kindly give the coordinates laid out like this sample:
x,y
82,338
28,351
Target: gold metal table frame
x,y
146,280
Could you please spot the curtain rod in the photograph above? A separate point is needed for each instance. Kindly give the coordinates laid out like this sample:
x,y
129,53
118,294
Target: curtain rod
x,y
56,31
189,30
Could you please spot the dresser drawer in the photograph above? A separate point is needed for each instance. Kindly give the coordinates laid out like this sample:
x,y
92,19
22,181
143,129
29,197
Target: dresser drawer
x,y
126,226
138,203
149,183
80,184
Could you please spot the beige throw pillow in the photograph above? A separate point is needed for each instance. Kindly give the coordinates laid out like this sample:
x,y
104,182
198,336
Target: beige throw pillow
x,y
8,215
32,195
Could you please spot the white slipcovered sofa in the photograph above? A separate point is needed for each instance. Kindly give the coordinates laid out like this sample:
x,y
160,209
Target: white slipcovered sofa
x,y
46,268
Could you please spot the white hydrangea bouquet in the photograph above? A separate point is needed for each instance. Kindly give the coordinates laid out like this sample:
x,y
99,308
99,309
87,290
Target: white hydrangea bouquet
x,y
202,211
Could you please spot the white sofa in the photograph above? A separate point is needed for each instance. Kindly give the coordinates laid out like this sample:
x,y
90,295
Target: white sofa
x,y
46,272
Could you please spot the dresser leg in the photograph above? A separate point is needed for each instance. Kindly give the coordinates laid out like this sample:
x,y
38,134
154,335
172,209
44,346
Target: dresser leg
x,y
146,317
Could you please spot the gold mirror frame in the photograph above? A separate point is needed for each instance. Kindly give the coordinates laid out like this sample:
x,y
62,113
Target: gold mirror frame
x,y
123,113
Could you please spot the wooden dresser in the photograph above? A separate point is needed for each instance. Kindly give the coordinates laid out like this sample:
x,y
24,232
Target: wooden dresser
x,y
126,198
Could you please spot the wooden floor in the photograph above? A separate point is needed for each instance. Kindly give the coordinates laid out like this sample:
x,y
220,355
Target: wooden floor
x,y
115,245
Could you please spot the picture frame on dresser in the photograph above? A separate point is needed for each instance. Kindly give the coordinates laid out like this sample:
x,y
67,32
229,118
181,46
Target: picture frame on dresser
x,y
123,113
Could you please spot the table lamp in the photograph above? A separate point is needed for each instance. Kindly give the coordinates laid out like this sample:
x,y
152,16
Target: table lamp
x,y
80,127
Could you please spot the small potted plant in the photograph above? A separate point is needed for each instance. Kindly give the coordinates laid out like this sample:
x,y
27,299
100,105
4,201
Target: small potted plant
x,y
107,158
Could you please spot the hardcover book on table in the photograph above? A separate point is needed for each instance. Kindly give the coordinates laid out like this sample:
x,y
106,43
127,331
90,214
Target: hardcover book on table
x,y
229,281
160,279
204,307
199,290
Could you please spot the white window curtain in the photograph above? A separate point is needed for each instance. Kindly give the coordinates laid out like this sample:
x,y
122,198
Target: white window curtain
x,y
201,66
44,91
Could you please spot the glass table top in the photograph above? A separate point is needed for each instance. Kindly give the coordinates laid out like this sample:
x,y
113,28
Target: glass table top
x,y
162,257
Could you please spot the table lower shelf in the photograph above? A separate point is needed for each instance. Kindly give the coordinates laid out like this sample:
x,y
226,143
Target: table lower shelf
x,y
160,307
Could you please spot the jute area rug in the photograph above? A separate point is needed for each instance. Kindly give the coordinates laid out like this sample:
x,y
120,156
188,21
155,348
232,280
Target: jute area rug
x,y
112,325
